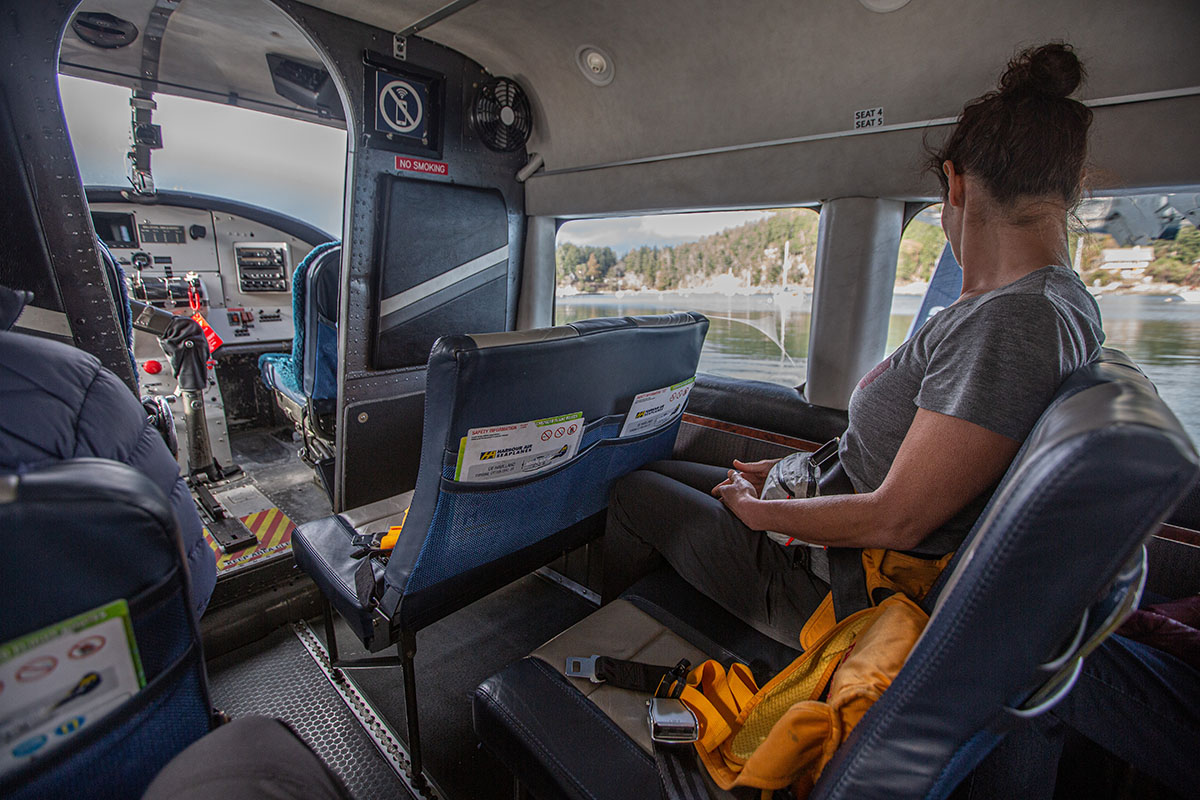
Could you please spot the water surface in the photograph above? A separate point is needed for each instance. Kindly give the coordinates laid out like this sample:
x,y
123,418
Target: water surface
x,y
762,337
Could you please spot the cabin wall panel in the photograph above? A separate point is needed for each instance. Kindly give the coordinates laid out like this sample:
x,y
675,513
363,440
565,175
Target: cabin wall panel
x,y
857,248
693,74
379,420
1135,147
39,165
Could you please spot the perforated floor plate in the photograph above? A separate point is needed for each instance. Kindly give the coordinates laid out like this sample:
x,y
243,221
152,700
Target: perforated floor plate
x,y
277,677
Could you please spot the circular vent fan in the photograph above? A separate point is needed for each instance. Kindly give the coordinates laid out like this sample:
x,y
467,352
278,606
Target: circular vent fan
x,y
501,115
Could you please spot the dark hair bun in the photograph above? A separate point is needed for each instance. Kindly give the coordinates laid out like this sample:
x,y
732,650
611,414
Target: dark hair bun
x,y
1052,69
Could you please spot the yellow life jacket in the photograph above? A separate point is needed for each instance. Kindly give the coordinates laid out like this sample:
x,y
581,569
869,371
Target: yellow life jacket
x,y
783,734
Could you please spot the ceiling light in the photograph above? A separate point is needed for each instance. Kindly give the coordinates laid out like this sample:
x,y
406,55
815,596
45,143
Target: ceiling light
x,y
883,6
595,64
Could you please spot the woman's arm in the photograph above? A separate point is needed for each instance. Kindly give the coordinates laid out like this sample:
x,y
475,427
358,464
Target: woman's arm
x,y
943,463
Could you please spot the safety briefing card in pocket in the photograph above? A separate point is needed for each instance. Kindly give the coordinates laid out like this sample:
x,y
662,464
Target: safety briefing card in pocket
x,y
653,409
504,452
57,681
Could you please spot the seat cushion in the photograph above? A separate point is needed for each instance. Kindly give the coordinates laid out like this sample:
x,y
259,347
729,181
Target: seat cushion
x,y
279,373
323,548
569,737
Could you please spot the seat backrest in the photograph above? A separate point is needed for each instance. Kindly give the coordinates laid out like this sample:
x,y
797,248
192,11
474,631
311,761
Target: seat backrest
x,y
322,290
1102,468
311,355
460,538
114,275
75,536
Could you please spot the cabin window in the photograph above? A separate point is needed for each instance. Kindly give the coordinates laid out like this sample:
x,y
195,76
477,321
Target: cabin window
x,y
921,246
286,165
1140,257
749,272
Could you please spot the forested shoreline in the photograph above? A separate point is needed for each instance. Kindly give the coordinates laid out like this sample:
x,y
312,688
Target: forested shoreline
x,y
778,253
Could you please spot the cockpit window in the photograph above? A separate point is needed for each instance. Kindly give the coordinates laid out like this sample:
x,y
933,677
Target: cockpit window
x,y
286,165
749,272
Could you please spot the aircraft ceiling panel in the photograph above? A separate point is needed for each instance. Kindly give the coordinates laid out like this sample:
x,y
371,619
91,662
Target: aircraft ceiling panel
x,y
210,50
771,70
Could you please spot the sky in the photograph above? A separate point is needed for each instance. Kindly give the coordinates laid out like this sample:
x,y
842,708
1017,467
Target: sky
x,y
297,168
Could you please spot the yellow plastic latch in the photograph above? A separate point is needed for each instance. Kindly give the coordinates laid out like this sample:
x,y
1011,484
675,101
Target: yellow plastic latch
x,y
389,539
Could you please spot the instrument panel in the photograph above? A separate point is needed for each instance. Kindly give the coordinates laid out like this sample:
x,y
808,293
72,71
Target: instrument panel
x,y
237,272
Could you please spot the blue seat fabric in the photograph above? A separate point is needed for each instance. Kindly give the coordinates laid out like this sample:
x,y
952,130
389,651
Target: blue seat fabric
x,y
462,541
114,536
115,275
319,375
1103,467
295,374
1105,464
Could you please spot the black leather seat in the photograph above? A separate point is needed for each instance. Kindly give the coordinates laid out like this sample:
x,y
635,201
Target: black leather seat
x,y
1105,464
463,540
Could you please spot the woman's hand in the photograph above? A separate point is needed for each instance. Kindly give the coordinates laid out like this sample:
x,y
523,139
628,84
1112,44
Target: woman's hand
x,y
738,494
755,472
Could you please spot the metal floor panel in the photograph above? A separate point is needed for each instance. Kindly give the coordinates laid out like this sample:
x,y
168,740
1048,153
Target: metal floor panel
x,y
277,677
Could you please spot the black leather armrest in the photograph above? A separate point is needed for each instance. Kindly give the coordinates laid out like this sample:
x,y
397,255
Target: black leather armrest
x,y
764,405
554,740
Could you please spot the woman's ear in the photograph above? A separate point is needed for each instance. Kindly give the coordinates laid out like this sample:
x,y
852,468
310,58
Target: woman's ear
x,y
954,182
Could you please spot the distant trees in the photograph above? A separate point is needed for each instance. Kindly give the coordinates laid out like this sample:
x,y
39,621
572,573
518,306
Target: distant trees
x,y
585,268
753,255
920,248
1177,260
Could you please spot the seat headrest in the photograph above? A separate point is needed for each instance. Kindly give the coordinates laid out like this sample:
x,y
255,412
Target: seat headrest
x,y
76,529
324,283
585,327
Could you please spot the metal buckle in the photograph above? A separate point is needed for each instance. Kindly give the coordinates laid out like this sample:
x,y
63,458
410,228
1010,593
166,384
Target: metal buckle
x,y
671,722
582,668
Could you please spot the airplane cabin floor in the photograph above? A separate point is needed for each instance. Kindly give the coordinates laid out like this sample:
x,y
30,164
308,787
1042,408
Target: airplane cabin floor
x,y
279,675
269,458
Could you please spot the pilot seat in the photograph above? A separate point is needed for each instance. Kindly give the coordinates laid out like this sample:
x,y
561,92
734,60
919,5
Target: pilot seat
x,y
304,381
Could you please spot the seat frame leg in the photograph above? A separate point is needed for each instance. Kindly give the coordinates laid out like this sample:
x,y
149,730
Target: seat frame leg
x,y
330,631
407,649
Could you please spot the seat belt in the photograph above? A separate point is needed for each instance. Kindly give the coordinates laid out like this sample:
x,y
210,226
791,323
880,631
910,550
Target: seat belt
x,y
847,581
679,775
633,675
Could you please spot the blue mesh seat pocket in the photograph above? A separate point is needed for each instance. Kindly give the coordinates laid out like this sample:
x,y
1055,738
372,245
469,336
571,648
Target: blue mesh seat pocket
x,y
476,523
118,756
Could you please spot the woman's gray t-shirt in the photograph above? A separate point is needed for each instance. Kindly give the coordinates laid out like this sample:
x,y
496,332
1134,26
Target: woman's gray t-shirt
x,y
995,360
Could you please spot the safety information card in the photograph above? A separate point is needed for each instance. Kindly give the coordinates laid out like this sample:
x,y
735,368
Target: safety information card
x,y
653,409
57,681
503,452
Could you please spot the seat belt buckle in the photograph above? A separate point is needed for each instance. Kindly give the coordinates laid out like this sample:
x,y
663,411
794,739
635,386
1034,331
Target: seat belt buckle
x,y
671,722
582,668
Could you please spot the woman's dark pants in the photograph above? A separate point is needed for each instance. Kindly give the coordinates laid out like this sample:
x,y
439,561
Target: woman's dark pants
x,y
665,511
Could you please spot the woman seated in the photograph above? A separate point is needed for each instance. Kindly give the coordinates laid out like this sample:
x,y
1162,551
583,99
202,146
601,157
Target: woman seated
x,y
934,426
